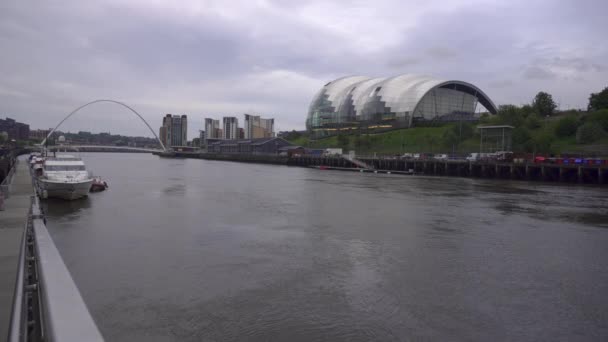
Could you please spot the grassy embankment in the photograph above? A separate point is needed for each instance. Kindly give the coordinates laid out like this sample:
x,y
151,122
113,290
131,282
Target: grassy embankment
x,y
540,139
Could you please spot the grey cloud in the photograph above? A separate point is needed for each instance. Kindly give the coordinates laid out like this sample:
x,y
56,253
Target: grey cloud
x,y
441,52
577,64
403,62
538,73
500,84
273,58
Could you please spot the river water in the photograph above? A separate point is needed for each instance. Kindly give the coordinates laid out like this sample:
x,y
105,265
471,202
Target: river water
x,y
195,250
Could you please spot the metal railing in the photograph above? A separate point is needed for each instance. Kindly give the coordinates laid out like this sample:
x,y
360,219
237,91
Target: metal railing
x,y
47,304
5,186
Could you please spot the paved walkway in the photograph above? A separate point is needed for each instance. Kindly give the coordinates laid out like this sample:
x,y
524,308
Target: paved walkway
x,y
12,223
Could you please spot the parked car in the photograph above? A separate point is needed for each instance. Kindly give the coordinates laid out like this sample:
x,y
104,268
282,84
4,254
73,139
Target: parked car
x,y
473,157
407,156
333,151
441,157
540,159
504,156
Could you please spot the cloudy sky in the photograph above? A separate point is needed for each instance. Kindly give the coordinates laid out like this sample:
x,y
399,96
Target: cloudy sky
x,y
217,58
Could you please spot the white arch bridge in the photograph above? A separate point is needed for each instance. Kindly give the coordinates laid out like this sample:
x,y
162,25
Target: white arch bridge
x,y
110,101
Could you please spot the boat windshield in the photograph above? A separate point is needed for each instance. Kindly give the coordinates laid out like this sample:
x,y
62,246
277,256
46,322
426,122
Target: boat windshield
x,y
65,168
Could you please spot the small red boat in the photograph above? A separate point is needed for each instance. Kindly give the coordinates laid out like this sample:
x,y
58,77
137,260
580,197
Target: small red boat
x,y
98,185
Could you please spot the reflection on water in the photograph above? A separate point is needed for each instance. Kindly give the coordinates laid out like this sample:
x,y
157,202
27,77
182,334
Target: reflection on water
x,y
190,250
59,208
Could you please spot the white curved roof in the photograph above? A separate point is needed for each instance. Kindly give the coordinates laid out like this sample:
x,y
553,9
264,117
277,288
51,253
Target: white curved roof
x,y
362,91
400,94
337,89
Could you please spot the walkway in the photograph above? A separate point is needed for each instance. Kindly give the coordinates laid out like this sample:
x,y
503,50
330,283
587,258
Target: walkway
x,y
12,223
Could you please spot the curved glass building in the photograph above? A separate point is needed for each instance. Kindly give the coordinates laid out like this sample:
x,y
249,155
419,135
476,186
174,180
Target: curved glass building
x,y
401,101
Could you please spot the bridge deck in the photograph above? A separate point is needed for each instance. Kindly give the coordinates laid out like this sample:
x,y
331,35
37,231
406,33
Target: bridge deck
x,y
12,224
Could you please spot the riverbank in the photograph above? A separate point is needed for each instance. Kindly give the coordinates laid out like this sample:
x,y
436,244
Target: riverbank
x,y
559,173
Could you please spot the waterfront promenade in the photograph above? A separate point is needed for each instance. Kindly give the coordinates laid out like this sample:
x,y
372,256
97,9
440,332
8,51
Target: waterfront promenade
x,y
12,223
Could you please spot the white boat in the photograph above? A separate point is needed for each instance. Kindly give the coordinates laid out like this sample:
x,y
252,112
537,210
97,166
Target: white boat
x,y
64,176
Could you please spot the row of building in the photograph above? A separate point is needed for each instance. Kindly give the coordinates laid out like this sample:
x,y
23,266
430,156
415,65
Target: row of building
x,y
174,129
21,131
15,130
254,127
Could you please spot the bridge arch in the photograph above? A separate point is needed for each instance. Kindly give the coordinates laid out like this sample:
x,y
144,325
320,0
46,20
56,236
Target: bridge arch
x,y
105,100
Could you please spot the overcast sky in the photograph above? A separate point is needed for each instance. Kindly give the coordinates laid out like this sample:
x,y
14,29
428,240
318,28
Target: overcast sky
x,y
219,58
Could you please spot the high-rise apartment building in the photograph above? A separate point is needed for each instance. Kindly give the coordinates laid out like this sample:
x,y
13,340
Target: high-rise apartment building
x,y
231,128
257,127
174,131
212,129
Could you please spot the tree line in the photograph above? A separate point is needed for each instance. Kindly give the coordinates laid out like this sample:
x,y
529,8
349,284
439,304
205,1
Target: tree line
x,y
536,127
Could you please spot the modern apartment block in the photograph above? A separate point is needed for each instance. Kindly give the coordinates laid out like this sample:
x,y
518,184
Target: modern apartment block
x,y
174,131
257,127
231,128
212,129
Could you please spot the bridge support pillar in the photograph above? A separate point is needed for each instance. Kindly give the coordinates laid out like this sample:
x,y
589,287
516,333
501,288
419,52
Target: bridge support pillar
x,y
580,174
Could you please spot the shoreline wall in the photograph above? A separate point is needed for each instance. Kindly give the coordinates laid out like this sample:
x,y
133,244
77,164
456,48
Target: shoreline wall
x,y
581,174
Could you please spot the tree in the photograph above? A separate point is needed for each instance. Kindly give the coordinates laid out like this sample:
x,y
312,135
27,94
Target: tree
x,y
521,139
510,115
542,142
599,117
598,101
527,110
566,127
533,121
588,133
543,104
3,137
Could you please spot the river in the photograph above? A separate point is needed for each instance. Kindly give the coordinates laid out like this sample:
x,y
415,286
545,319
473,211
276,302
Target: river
x,y
195,250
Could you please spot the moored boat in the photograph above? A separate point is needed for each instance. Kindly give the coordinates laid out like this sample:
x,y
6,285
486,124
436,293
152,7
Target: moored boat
x,y
65,177
98,185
